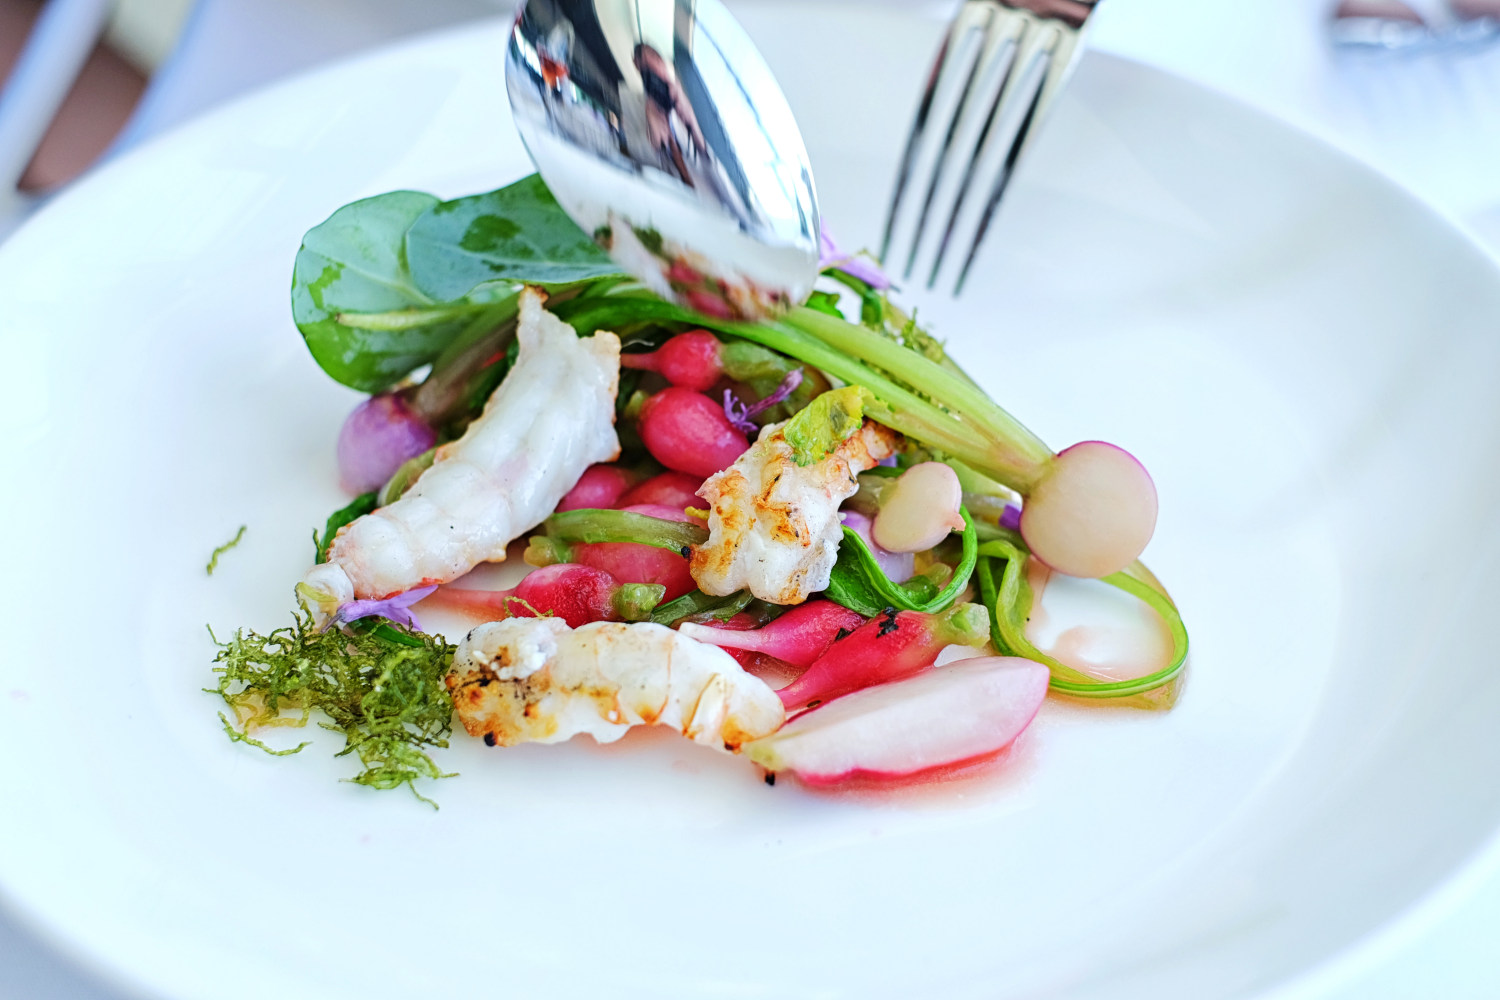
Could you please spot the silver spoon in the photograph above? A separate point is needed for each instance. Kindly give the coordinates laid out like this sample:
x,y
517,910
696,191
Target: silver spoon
x,y
662,132
1378,24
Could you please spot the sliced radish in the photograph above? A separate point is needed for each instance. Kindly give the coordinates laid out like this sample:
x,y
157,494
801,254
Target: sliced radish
x,y
967,710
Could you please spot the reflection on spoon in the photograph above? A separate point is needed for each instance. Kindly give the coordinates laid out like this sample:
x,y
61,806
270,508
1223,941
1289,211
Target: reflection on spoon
x,y
662,132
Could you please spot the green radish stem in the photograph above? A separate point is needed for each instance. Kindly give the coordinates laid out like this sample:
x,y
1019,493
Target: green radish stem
x,y
591,526
1010,599
1091,532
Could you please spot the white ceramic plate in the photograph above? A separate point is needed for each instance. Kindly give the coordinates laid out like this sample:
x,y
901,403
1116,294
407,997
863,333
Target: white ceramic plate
x,y
1304,356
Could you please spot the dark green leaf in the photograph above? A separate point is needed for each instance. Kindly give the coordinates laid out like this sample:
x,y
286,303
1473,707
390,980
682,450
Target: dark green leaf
x,y
358,507
697,605
518,233
859,584
364,320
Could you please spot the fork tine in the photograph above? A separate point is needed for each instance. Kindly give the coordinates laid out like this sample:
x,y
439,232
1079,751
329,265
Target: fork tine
x,y
1042,67
969,119
1011,56
948,71
976,119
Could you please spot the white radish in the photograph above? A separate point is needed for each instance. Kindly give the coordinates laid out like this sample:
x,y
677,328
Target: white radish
x,y
1093,511
968,710
919,509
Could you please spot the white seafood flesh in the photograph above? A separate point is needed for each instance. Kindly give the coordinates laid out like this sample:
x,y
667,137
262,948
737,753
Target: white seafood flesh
x,y
551,418
535,680
773,526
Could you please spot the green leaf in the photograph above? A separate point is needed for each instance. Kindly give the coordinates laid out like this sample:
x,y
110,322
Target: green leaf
x,y
365,322
859,584
696,604
358,507
518,233
825,302
589,525
821,426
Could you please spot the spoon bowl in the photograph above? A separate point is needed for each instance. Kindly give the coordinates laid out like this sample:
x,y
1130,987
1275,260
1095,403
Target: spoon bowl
x,y
662,132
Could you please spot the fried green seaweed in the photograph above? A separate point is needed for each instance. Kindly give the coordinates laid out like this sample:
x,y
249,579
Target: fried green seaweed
x,y
381,687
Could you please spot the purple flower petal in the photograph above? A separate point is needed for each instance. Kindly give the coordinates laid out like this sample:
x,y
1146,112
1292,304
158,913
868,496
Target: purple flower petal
x,y
396,609
1011,518
862,268
739,414
786,388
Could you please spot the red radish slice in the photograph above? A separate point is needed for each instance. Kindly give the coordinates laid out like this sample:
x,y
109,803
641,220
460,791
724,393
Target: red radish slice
x,y
958,713
1093,511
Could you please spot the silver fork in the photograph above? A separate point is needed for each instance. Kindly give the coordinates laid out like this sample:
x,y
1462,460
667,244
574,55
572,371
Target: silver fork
x,y
1000,67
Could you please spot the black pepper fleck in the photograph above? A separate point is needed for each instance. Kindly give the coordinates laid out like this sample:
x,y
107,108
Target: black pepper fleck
x,y
770,777
489,739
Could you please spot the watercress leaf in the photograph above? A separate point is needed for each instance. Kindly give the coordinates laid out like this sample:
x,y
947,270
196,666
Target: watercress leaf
x,y
859,584
518,232
365,322
357,508
825,302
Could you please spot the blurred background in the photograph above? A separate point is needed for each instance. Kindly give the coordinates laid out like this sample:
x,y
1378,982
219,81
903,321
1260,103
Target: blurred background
x,y
1411,88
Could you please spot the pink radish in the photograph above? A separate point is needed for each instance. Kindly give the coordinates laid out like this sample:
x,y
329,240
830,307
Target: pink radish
x,y
632,563
600,486
890,646
798,637
688,432
1092,512
690,360
576,594
381,433
670,489
952,715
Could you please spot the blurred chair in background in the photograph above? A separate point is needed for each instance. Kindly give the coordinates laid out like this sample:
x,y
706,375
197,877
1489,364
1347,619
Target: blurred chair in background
x,y
69,98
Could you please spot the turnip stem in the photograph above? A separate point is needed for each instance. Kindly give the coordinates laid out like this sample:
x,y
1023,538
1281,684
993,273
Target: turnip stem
x,y
1015,447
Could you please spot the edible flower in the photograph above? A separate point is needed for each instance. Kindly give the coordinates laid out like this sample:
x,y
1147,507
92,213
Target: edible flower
x,y
1011,517
866,270
739,414
396,609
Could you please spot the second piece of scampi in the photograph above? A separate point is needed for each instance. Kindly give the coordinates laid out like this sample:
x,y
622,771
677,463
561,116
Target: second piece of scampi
x,y
535,680
773,525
